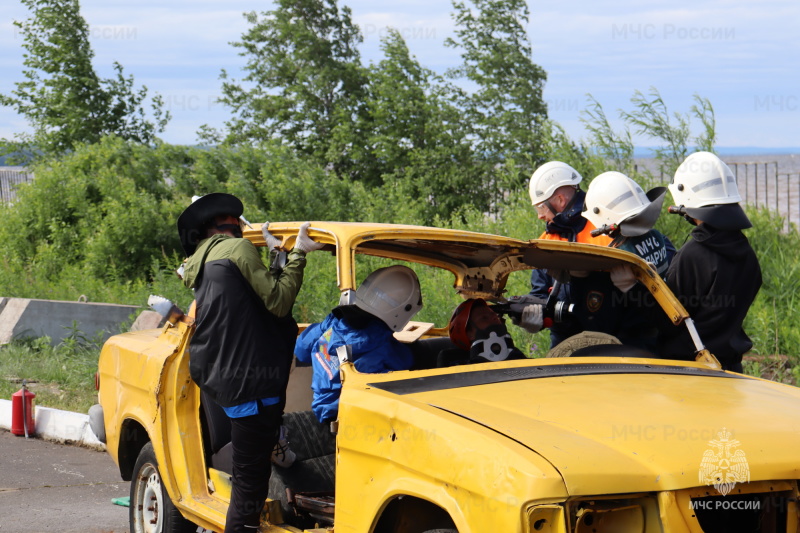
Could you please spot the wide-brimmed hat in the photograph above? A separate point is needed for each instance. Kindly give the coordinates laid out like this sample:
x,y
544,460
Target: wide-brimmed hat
x,y
203,209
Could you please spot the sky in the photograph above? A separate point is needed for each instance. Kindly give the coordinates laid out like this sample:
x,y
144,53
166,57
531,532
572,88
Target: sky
x,y
741,55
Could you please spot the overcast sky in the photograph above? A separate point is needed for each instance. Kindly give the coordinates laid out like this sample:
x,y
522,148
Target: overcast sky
x,y
742,55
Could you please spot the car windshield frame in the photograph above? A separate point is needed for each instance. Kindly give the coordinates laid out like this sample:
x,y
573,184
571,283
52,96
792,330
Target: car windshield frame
x,y
479,262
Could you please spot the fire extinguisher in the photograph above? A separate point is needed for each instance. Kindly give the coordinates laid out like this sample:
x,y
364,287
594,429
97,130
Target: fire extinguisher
x,y
22,419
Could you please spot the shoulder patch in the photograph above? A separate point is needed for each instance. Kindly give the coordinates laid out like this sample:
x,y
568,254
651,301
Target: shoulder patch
x,y
594,300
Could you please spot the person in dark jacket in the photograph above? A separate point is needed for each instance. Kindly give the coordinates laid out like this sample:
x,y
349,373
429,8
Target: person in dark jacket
x,y
383,304
245,334
716,275
622,307
559,201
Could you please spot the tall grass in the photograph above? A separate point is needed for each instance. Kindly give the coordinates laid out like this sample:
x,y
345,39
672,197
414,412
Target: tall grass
x,y
61,376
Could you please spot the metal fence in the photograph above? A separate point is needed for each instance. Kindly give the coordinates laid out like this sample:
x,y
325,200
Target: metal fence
x,y
9,179
762,184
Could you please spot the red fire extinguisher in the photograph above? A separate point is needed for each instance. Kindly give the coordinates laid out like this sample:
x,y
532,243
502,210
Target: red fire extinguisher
x,y
22,419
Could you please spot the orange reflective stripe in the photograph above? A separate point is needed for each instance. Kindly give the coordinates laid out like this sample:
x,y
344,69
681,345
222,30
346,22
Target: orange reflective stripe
x,y
585,236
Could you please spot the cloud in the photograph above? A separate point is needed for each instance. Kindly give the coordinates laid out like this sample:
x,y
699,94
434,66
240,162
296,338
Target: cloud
x,y
735,52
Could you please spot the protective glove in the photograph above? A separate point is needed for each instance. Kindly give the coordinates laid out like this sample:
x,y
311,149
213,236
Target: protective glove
x,y
304,243
160,305
532,318
622,277
272,241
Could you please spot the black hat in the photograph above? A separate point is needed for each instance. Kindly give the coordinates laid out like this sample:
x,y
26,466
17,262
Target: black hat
x,y
194,217
642,222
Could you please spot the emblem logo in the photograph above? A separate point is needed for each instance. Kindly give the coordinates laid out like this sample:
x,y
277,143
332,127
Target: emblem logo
x,y
723,465
594,300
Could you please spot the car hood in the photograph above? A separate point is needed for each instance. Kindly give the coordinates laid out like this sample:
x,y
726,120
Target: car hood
x,y
630,432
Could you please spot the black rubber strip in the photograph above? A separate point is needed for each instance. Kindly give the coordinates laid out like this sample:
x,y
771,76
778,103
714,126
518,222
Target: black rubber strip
x,y
501,375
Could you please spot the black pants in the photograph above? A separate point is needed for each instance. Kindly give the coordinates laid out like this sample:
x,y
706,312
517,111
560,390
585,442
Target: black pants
x,y
252,438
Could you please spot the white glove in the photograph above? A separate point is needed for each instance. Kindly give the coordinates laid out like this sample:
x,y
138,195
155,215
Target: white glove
x,y
532,318
623,278
160,305
304,243
272,241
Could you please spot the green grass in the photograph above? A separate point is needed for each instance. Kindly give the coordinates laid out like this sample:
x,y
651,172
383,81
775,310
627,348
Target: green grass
x,y
61,376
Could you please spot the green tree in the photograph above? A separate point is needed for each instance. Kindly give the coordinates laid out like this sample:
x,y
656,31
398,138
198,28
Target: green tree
x,y
304,78
273,181
415,142
506,107
651,118
615,147
105,209
62,97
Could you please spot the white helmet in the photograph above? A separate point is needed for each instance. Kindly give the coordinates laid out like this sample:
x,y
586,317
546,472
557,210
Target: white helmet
x,y
392,294
615,199
702,180
550,177
706,188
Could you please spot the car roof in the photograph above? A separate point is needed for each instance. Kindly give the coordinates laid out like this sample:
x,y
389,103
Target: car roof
x,y
480,262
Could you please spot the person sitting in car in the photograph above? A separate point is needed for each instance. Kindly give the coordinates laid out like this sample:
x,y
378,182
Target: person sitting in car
x,y
479,334
384,303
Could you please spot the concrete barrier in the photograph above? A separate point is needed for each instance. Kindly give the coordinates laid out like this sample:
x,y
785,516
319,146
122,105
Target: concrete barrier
x,y
23,317
56,425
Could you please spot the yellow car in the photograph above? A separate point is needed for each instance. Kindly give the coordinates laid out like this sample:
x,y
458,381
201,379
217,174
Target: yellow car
x,y
605,443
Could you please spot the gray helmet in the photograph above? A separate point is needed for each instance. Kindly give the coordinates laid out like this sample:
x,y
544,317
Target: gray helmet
x,y
392,294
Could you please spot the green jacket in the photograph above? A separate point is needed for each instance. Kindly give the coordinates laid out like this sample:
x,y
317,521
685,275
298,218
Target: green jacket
x,y
277,291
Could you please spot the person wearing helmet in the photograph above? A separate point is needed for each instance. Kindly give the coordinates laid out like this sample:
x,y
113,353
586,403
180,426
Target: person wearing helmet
x,y
479,334
383,304
716,275
242,347
619,208
559,201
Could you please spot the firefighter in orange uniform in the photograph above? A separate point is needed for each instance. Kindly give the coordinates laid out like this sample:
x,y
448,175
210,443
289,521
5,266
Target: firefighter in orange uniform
x,y
559,201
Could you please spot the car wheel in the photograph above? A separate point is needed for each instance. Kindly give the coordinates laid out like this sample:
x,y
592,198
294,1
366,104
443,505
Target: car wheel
x,y
151,510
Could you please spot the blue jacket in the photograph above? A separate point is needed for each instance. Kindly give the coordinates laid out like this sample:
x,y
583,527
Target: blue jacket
x,y
374,351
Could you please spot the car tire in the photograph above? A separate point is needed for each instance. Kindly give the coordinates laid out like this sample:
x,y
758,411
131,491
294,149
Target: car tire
x,y
151,510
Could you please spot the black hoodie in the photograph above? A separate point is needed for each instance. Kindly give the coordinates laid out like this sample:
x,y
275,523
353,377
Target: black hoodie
x,y
716,276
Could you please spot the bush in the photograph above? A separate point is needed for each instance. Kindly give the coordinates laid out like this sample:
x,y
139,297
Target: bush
x,y
105,209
